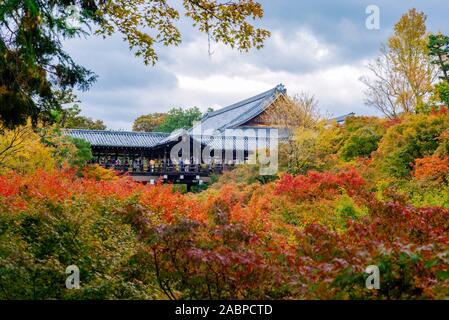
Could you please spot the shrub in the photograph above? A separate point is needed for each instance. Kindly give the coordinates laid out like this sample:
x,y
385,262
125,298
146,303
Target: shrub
x,y
432,168
317,185
49,221
307,236
360,144
415,137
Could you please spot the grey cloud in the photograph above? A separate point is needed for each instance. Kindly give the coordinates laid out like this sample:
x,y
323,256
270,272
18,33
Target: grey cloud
x,y
115,65
127,88
343,22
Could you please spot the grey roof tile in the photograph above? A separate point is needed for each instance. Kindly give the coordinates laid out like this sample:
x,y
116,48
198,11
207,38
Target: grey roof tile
x,y
342,119
106,138
214,123
240,112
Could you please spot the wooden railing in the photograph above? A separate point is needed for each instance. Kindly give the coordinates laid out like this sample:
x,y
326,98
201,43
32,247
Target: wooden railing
x,y
203,169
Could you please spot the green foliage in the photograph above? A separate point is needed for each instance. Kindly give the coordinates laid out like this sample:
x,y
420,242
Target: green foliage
x,y
427,195
347,209
361,137
300,237
360,144
34,66
36,246
83,153
442,90
178,118
415,137
321,147
67,151
72,119
439,51
200,187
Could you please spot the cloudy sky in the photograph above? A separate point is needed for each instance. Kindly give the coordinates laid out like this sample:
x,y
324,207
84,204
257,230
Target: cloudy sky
x,y
319,46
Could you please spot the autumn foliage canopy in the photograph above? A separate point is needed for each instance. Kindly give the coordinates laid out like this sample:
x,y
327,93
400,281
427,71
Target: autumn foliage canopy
x,y
301,236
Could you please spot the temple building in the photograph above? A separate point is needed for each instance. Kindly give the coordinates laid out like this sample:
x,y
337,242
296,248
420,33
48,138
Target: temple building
x,y
228,136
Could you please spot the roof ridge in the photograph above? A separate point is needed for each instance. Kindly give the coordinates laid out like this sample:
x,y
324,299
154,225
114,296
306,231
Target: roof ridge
x,y
251,113
243,102
116,131
342,117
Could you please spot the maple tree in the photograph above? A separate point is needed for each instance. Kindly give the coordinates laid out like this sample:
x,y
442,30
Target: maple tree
x,y
34,67
225,243
432,168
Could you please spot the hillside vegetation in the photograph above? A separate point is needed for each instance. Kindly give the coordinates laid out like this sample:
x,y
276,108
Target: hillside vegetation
x,y
372,192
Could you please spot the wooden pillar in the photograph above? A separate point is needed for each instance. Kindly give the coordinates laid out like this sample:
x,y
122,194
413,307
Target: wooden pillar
x,y
141,167
165,159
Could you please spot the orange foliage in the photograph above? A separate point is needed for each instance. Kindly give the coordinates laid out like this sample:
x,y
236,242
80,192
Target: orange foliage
x,y
9,191
9,185
233,242
432,168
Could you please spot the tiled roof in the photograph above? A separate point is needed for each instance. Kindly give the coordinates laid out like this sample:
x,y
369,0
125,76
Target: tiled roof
x,y
106,138
342,119
234,143
212,124
242,139
174,136
240,112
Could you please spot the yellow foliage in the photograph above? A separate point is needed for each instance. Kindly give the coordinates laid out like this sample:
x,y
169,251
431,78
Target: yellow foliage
x,y
99,173
21,150
312,148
